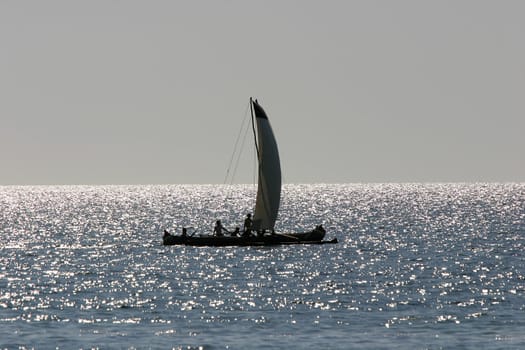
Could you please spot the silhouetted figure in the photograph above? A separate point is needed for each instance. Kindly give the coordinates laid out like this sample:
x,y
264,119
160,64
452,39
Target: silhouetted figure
x,y
184,232
217,230
166,233
236,232
248,225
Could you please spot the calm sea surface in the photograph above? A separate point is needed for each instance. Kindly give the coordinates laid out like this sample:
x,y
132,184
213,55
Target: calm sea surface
x,y
418,266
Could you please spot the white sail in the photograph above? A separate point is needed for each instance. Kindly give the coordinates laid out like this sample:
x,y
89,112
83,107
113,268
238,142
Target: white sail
x,y
269,186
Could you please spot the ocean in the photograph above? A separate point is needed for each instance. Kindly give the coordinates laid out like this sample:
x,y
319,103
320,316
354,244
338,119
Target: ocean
x,y
423,266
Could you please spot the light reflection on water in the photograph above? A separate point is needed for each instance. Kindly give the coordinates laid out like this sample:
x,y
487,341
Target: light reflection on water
x,y
417,265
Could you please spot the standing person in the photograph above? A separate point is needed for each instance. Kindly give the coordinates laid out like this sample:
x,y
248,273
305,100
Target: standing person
x,y
184,232
248,225
217,230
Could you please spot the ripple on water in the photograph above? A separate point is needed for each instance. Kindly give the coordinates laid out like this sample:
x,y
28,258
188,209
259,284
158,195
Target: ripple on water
x,y
434,265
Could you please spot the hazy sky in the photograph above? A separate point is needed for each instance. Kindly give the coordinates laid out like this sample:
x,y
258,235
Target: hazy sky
x,y
139,92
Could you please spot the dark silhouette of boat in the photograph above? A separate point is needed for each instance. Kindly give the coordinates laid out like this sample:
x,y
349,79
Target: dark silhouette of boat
x,y
315,236
262,229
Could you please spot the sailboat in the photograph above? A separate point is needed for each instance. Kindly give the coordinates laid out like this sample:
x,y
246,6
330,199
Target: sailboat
x,y
267,199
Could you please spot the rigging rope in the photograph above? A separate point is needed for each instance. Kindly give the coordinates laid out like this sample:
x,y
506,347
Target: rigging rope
x,y
237,153
235,148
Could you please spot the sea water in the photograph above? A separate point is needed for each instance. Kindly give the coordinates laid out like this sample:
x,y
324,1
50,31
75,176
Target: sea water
x,y
417,266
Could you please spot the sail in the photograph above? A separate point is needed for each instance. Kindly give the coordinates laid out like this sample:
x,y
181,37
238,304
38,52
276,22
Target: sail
x,y
269,186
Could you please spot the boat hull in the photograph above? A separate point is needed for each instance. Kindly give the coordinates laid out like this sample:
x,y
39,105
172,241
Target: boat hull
x,y
311,237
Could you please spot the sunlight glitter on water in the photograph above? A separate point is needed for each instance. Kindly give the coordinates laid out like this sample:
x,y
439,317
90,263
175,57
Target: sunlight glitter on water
x,y
414,261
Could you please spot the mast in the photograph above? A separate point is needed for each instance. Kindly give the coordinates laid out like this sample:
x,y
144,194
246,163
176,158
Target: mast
x,y
253,128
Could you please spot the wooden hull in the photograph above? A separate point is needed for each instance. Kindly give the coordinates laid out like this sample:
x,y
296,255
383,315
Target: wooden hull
x,y
311,237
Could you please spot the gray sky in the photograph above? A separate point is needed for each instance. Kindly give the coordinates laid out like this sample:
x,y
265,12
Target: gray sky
x,y
139,92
